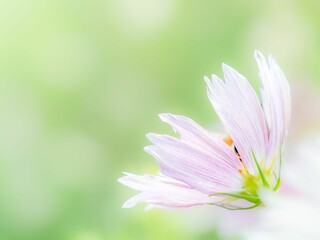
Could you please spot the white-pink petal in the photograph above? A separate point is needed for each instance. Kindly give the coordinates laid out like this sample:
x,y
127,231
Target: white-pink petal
x,y
161,191
193,134
239,108
276,103
207,170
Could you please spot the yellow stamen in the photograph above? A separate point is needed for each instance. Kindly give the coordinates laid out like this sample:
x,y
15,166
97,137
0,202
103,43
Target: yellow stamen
x,y
228,140
244,170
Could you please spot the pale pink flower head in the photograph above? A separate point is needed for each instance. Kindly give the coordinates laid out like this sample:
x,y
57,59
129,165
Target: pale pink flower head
x,y
225,170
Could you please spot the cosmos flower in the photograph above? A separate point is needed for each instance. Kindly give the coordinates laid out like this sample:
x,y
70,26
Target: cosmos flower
x,y
227,170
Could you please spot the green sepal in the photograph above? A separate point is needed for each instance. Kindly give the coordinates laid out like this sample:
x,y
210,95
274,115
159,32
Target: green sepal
x,y
263,177
235,208
276,187
248,198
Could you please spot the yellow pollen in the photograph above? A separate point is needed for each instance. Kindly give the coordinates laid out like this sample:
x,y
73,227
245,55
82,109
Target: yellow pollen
x,y
228,140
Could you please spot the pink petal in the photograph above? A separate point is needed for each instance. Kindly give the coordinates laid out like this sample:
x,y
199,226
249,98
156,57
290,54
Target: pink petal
x,y
276,103
161,191
208,170
190,132
239,109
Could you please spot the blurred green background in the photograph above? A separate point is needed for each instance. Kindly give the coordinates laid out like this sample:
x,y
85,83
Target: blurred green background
x,y
82,82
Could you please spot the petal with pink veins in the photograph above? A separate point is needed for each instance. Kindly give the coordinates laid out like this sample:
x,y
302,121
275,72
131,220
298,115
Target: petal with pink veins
x,y
161,191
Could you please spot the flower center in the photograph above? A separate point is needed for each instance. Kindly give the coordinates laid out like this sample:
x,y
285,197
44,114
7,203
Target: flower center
x,y
265,178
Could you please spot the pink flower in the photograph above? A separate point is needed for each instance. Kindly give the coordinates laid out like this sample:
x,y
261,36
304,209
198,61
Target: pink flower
x,y
204,168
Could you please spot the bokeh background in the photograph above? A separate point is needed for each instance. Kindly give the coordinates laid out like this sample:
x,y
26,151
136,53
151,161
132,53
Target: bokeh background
x,y
82,82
